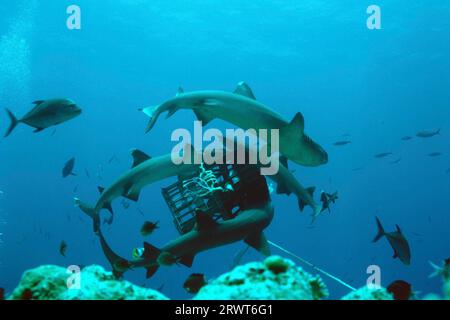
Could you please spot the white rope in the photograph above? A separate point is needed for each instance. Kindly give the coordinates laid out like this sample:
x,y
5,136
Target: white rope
x,y
312,266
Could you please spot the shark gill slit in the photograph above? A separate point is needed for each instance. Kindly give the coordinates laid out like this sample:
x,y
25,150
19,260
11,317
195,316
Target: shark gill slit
x,y
309,264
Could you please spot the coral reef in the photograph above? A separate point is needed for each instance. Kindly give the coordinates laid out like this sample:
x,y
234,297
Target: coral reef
x,y
275,278
50,283
365,293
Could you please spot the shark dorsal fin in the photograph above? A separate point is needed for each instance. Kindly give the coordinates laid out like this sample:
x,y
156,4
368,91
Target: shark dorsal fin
x,y
398,229
298,122
204,221
259,242
139,157
244,90
150,252
180,91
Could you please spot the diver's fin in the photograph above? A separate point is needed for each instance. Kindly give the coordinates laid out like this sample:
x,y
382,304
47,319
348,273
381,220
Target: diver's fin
x,y
204,221
151,271
244,90
282,189
150,252
139,157
259,242
203,117
380,233
187,260
38,102
100,189
180,91
13,124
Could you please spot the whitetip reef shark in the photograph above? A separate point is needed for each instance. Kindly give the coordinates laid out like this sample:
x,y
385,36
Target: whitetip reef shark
x,y
206,234
145,171
241,109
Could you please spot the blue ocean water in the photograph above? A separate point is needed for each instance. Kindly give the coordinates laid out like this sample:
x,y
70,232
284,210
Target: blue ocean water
x,y
317,57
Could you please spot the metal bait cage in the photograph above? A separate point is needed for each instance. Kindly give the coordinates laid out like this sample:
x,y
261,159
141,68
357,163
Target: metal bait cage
x,y
221,191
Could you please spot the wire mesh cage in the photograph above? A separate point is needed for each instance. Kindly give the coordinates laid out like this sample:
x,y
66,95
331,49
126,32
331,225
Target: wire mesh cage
x,y
220,191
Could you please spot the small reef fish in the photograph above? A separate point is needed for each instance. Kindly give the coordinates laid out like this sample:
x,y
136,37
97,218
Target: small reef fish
x,y
434,154
341,143
327,199
428,134
45,114
68,168
397,241
400,290
63,248
194,283
406,138
382,155
396,161
148,228
88,175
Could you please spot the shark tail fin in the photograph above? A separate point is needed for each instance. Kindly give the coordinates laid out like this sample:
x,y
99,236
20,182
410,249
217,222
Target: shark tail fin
x,y
90,211
13,124
151,253
119,265
152,112
381,232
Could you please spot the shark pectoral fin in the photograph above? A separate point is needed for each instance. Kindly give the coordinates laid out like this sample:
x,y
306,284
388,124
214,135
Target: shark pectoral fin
x,y
244,90
187,260
284,161
139,157
259,242
282,189
132,195
151,271
108,207
203,117
301,204
204,221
